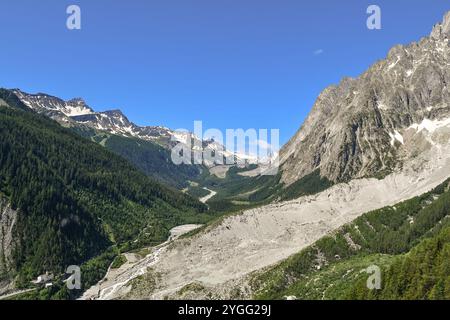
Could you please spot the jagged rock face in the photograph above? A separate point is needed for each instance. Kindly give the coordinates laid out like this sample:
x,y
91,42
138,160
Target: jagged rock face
x,y
356,129
8,218
442,29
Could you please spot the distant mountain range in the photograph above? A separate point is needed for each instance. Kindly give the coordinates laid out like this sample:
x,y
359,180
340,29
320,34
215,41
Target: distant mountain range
x,y
76,112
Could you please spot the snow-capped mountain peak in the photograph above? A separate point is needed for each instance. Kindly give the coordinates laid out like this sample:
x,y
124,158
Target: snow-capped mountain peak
x,y
76,112
52,106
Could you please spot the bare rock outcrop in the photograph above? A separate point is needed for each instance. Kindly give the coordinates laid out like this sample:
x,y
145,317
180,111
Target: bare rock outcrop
x,y
356,128
8,218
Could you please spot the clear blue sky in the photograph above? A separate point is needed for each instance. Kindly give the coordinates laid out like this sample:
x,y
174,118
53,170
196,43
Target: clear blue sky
x,y
231,63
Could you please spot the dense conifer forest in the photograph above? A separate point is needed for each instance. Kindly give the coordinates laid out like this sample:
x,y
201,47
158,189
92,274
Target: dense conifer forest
x,y
75,199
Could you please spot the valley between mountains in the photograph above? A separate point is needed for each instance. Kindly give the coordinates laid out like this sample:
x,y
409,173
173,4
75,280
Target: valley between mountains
x,y
365,181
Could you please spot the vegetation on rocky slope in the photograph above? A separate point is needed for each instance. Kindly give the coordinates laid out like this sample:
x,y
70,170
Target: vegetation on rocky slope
x,y
410,242
75,198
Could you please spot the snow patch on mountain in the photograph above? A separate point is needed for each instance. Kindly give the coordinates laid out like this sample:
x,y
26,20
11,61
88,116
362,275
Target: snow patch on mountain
x,y
396,136
430,125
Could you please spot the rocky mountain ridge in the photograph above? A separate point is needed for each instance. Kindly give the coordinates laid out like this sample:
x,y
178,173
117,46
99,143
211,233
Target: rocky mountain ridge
x,y
363,127
76,112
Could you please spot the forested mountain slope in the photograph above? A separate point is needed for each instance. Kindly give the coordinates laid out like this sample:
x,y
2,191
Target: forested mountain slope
x,y
410,242
74,198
